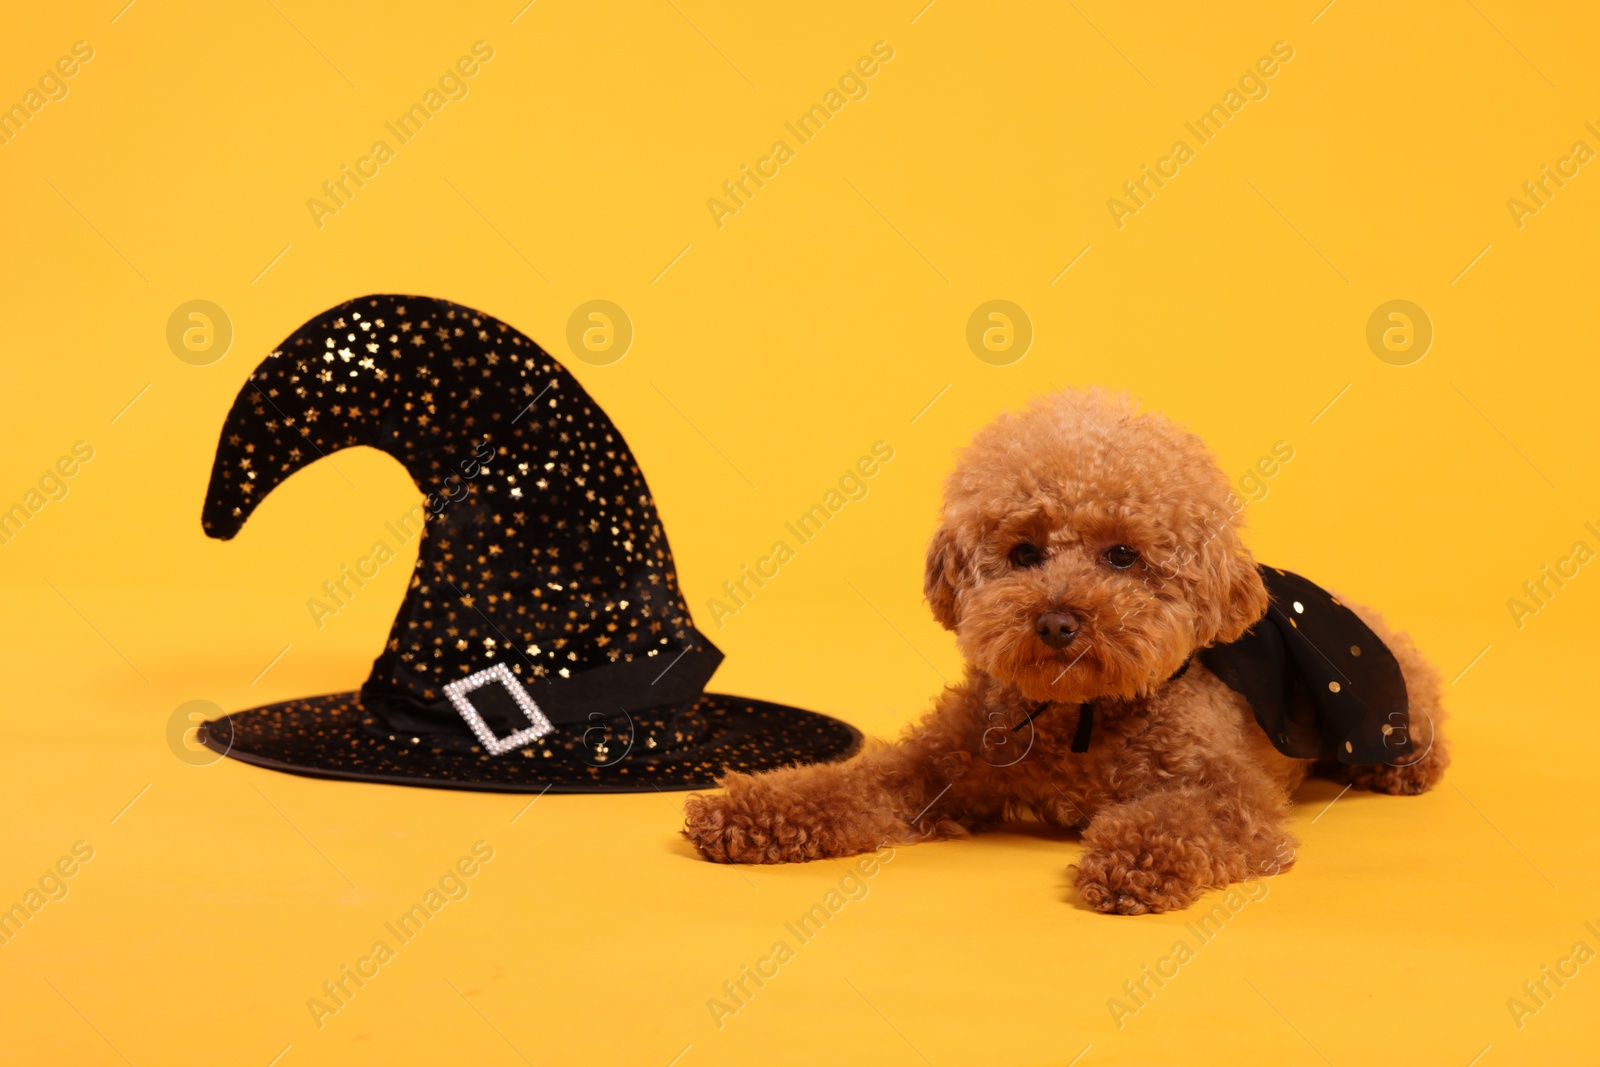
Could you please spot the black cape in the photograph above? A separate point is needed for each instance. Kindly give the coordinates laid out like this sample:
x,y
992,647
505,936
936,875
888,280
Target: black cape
x,y
1321,683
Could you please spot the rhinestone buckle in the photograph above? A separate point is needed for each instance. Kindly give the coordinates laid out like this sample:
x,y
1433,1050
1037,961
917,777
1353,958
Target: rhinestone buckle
x,y
539,725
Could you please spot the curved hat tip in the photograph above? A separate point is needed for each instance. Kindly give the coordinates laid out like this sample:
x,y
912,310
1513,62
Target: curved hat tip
x,y
242,476
216,531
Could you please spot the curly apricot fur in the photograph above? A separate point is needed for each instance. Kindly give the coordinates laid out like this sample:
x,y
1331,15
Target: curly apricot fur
x,y
1180,790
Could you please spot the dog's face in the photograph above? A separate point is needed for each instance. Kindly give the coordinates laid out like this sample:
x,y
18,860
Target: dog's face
x,y
1086,550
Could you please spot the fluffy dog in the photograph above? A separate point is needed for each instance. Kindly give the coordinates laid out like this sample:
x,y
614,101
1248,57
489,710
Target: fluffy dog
x,y
1085,552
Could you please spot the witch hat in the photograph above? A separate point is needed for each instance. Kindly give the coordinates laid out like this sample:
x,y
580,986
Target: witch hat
x,y
543,642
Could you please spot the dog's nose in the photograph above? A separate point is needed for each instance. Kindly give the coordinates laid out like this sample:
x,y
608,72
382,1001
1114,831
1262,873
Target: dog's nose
x,y
1056,628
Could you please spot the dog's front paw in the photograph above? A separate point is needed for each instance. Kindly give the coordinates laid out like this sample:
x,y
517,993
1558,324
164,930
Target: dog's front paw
x,y
746,826
1126,882
718,832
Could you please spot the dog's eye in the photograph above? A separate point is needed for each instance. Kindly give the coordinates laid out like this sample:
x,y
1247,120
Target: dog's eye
x,y
1026,555
1122,556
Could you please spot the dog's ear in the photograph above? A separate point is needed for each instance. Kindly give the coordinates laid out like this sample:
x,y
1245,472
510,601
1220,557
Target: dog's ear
x,y
942,576
1241,594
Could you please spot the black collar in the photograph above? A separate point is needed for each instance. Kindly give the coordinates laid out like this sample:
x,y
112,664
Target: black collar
x,y
1080,736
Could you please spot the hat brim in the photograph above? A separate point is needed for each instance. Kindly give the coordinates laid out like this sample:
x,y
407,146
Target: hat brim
x,y
664,749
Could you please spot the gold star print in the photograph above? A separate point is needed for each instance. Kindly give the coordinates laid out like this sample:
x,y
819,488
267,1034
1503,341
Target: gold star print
x,y
570,572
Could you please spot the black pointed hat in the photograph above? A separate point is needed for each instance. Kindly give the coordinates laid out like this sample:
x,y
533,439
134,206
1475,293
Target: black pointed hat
x,y
543,642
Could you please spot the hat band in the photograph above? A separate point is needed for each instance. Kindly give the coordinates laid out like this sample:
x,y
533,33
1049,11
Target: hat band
x,y
658,681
